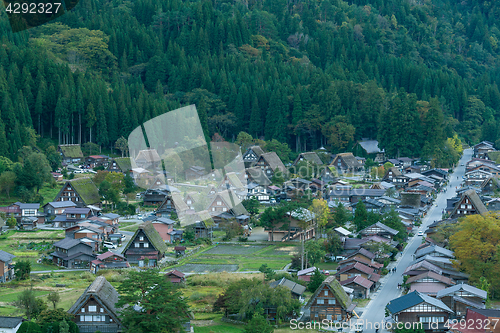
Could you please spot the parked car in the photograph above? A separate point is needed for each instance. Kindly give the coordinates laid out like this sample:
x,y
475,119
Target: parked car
x,y
109,245
420,233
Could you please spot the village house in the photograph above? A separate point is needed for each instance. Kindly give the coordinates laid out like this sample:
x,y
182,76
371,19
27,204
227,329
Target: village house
x,y
358,269
95,309
225,205
145,243
7,271
120,164
176,277
81,191
269,163
256,175
172,204
482,149
72,253
10,324
352,196
94,161
489,186
294,220
330,302
393,175
346,163
369,149
194,172
361,286
148,159
251,156
353,260
305,274
164,226
469,204
56,208
297,290
462,296
379,229
108,260
416,307
70,153
486,319
311,157
429,283
435,251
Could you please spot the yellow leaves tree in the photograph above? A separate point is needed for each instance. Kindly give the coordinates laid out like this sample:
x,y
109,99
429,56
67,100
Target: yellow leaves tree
x,y
477,248
321,212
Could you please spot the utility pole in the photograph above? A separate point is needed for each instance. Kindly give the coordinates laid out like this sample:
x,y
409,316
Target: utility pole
x,y
302,250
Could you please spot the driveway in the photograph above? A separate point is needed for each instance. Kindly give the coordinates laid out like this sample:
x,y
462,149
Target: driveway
x,y
375,310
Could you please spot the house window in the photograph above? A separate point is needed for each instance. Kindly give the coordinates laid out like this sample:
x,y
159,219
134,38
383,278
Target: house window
x,y
88,318
213,209
219,203
331,301
146,244
82,318
92,308
339,317
102,310
141,238
83,309
326,292
320,301
96,318
136,244
329,317
224,209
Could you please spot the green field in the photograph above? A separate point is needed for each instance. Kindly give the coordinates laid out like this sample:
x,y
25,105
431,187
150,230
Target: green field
x,y
239,258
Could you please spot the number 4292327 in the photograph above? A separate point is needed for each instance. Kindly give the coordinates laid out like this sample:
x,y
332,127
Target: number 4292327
x,y
33,8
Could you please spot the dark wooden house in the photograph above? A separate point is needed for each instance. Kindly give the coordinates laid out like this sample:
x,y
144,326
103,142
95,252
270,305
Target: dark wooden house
x,y
145,243
330,302
416,307
462,296
72,253
95,309
81,191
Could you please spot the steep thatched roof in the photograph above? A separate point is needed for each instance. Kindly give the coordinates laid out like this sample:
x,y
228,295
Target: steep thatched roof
x,y
349,160
258,176
152,235
309,156
104,293
274,161
71,151
474,199
149,155
124,163
337,291
86,189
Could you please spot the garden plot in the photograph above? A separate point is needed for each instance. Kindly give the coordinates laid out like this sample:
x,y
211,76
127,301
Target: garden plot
x,y
235,249
281,251
205,268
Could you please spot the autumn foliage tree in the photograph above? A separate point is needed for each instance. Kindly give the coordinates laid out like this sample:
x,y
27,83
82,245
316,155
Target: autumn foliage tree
x,y
477,248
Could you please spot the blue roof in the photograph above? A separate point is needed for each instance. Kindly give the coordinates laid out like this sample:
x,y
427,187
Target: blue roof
x,y
414,298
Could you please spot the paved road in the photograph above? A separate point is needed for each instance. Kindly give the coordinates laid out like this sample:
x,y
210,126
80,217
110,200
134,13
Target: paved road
x,y
375,310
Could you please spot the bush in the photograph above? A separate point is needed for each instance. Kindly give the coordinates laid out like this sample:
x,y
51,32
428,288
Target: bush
x,y
384,271
242,239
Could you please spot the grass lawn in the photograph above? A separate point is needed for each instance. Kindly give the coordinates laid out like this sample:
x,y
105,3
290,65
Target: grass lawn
x,y
329,266
126,224
247,257
49,193
131,228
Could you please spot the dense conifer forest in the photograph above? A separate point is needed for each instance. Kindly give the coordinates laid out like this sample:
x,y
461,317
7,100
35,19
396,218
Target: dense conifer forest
x,y
309,73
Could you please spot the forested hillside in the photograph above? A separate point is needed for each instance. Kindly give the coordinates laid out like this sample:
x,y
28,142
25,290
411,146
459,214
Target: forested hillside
x,y
410,73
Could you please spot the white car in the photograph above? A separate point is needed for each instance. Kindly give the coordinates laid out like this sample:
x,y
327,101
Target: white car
x,y
420,233
109,245
78,171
